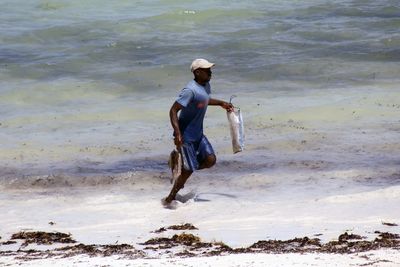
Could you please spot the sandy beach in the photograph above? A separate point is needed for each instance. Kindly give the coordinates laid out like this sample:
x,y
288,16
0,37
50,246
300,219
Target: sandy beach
x,y
85,93
306,195
306,191
124,224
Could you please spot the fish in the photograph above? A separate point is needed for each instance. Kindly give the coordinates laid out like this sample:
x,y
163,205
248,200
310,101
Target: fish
x,y
175,164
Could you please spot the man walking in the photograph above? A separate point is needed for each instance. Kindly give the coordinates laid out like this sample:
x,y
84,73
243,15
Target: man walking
x,y
192,103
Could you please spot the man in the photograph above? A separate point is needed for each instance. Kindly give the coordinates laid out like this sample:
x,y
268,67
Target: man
x,y
192,103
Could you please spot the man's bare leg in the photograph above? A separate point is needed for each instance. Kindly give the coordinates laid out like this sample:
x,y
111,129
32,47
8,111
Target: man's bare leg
x,y
208,162
185,174
178,185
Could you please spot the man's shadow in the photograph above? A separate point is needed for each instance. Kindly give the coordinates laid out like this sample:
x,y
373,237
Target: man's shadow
x,y
200,197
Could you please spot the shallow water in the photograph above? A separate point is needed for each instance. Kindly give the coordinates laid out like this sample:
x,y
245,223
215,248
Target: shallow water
x,y
85,86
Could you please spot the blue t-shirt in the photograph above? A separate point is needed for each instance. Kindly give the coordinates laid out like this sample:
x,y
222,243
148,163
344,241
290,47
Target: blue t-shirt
x,y
194,99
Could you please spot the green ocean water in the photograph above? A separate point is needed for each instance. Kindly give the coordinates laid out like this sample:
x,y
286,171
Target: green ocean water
x,y
83,82
258,40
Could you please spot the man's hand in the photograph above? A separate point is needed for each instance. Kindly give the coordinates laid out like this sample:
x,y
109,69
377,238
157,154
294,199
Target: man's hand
x,y
227,106
178,141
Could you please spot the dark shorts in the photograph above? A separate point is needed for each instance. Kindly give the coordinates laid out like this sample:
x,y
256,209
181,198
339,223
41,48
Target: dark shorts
x,y
194,153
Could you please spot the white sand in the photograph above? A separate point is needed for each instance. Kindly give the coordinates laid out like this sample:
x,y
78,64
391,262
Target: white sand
x,y
381,258
110,215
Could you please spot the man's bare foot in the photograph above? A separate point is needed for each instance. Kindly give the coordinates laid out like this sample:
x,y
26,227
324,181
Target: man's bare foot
x,y
171,196
178,185
172,204
168,199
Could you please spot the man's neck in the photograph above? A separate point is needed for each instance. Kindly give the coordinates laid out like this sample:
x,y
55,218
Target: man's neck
x,y
203,83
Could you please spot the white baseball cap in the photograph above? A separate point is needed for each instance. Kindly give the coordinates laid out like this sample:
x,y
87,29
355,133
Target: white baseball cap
x,y
200,63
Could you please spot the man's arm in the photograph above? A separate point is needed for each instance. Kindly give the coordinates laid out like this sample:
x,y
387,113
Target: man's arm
x,y
223,104
173,116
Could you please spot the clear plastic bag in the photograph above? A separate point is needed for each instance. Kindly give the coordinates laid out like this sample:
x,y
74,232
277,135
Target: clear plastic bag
x,y
236,127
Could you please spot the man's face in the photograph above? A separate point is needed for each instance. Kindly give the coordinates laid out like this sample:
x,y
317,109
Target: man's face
x,y
204,74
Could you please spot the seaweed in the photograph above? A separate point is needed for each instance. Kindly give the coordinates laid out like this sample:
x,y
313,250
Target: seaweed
x,y
43,238
186,226
189,245
390,224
